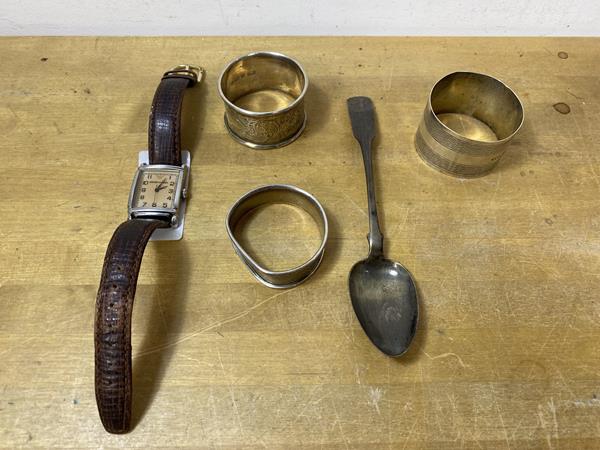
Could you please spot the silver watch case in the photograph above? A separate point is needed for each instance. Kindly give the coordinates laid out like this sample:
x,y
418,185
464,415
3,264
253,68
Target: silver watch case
x,y
174,216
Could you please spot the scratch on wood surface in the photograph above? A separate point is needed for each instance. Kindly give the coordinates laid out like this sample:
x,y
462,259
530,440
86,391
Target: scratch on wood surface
x,y
221,362
390,77
439,413
539,201
339,424
467,249
550,434
357,371
189,358
540,416
401,224
564,381
500,416
496,189
515,429
446,355
452,400
160,308
422,377
550,271
310,402
511,310
552,409
594,174
231,394
363,211
412,429
214,325
236,410
560,177
539,352
375,396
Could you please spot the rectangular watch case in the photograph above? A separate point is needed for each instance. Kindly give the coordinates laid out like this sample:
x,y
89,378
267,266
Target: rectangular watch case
x,y
175,215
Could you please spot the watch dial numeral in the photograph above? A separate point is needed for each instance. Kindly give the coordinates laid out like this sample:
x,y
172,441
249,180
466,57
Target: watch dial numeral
x,y
145,182
169,197
170,191
172,183
154,205
164,205
143,189
142,197
144,203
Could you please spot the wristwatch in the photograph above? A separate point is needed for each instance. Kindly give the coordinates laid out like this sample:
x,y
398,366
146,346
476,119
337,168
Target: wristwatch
x,y
156,202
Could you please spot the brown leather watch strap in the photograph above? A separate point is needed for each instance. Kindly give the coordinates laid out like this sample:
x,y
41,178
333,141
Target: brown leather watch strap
x,y
112,338
114,302
164,135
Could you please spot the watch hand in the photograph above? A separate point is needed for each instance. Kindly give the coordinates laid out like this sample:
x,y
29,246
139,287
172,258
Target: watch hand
x,y
159,187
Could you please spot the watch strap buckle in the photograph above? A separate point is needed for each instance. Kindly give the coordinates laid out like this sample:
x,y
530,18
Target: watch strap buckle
x,y
192,73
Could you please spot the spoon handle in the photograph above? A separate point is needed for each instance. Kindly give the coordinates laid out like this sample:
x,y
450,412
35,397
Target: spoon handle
x,y
362,118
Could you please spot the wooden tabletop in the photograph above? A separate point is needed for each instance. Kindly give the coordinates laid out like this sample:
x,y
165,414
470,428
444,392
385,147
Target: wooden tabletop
x,y
507,266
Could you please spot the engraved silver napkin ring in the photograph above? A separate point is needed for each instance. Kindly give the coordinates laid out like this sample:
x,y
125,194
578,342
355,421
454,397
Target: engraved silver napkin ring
x,y
263,93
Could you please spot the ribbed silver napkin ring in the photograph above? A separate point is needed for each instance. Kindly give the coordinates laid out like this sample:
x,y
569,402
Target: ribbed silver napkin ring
x,y
468,122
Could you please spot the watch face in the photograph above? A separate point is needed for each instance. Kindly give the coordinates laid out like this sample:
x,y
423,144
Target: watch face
x,y
156,188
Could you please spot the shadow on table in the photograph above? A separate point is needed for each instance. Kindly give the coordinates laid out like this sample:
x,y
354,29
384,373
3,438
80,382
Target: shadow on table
x,y
317,107
332,248
516,152
193,113
166,318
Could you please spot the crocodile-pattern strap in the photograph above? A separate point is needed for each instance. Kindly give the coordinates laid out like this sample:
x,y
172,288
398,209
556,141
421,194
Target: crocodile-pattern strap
x,y
164,135
114,302
113,321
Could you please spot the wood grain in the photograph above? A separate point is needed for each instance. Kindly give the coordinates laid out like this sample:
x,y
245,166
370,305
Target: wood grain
x,y
507,265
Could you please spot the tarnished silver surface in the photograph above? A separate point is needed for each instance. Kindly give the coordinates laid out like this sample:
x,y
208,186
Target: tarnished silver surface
x,y
272,194
468,121
263,94
383,293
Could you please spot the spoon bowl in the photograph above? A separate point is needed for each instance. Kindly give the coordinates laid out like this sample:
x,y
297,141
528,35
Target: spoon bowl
x,y
384,299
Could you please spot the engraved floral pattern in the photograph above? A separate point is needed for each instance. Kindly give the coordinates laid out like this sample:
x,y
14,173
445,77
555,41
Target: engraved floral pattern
x,y
266,130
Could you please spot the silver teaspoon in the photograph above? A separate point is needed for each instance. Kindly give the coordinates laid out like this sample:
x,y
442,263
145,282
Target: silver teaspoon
x,y
382,291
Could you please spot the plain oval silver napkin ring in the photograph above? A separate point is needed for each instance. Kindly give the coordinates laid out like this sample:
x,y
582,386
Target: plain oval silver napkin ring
x,y
278,194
